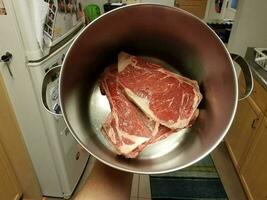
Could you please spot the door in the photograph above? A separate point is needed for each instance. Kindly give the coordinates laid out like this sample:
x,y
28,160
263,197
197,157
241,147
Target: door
x,y
45,153
15,95
9,186
254,171
13,146
242,131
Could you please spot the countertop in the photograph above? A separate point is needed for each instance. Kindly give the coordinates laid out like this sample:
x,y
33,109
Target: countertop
x,y
258,73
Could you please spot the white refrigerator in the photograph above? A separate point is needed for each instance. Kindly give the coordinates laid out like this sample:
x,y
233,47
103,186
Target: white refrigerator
x,y
40,33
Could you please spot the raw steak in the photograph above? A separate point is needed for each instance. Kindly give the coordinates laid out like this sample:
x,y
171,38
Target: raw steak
x,y
127,128
163,132
164,96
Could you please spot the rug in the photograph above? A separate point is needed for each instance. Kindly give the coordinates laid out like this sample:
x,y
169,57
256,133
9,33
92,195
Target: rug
x,y
196,182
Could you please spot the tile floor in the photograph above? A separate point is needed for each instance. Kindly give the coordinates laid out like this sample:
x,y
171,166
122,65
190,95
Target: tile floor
x,y
140,188
141,184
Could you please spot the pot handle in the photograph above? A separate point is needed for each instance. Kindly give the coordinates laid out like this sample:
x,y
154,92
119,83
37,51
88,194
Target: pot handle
x,y
50,89
247,74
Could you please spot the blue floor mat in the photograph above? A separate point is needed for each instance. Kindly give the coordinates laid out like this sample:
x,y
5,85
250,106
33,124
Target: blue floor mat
x,y
197,182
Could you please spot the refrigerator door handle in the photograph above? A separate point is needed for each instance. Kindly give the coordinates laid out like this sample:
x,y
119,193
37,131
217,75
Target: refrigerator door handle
x,y
6,58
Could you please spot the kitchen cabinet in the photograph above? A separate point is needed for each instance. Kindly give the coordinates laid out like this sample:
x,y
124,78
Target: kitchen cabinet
x,y
242,131
247,142
253,173
259,94
196,7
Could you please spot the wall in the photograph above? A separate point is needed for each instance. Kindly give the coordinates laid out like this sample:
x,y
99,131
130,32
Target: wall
x,y
250,27
211,13
226,13
229,13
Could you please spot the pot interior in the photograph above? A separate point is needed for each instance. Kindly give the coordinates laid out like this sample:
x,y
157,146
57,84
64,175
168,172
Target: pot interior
x,y
165,34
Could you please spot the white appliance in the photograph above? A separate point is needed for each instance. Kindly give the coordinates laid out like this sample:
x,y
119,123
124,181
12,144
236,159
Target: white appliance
x,y
60,177
46,29
219,11
44,23
37,45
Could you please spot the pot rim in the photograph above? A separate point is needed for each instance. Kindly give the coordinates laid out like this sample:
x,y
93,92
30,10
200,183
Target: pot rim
x,y
173,168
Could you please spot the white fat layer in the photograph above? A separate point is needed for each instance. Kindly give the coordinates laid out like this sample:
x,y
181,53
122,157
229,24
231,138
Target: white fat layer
x,y
127,148
124,59
111,135
142,103
180,124
156,129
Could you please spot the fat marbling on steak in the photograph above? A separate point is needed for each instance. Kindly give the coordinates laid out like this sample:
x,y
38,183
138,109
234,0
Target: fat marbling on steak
x,y
164,96
127,128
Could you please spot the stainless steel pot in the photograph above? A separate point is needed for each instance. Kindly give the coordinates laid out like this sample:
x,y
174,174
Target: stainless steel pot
x,y
175,37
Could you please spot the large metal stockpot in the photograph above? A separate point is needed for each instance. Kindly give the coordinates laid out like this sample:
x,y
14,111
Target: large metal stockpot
x,y
165,34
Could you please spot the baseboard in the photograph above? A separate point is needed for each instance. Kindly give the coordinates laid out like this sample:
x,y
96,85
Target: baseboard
x,y
43,198
18,196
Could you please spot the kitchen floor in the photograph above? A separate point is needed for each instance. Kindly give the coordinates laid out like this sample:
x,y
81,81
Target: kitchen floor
x,y
224,166
141,184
